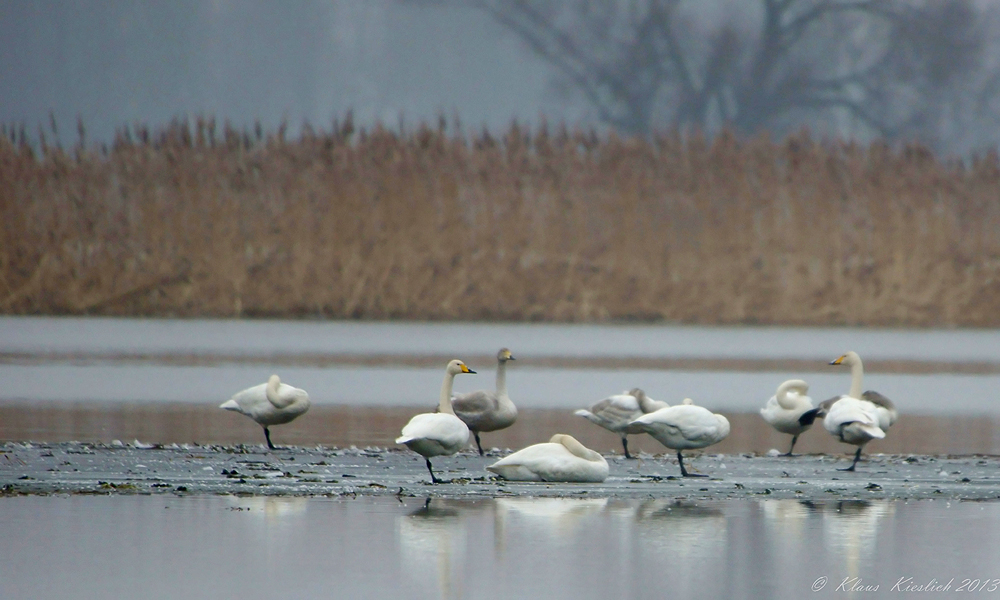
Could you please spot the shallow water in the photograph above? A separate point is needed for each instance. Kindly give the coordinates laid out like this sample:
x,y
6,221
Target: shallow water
x,y
365,426
161,380
148,360
552,388
279,547
37,335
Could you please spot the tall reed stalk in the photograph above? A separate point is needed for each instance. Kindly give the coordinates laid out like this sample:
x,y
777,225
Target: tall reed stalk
x,y
543,224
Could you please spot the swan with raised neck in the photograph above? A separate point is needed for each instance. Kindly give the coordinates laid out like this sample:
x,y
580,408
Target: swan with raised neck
x,y
857,371
438,433
857,417
485,410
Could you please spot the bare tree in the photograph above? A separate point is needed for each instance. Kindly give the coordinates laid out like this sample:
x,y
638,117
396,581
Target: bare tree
x,y
900,69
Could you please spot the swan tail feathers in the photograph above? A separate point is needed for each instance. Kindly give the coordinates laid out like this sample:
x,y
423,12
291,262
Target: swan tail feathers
x,y
809,416
230,405
874,431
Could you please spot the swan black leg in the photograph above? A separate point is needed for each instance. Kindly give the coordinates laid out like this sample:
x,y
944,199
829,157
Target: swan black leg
x,y
433,478
684,473
478,445
625,445
267,436
795,438
857,457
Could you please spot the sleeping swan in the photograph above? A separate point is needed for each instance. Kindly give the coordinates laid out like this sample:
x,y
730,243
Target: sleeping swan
x,y
684,426
616,413
271,403
562,458
857,418
790,410
439,433
484,410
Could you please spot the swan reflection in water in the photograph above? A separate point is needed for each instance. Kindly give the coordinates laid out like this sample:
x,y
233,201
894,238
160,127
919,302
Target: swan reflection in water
x,y
432,545
850,532
682,538
848,529
684,530
550,519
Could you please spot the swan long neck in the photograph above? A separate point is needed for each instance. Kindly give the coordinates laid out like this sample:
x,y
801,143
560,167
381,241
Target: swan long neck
x,y
857,372
502,378
444,403
574,446
271,391
646,404
782,395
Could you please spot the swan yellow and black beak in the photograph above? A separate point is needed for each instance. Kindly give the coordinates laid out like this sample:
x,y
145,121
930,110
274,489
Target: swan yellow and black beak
x,y
466,369
839,360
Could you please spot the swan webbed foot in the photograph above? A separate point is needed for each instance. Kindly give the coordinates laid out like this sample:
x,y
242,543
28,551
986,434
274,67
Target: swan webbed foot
x,y
625,446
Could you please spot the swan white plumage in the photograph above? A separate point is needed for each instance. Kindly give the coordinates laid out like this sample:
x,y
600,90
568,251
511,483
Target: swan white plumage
x,y
790,410
562,458
440,433
857,417
271,403
616,413
484,410
684,426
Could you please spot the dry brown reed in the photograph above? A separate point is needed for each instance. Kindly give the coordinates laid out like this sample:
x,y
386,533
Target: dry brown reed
x,y
543,224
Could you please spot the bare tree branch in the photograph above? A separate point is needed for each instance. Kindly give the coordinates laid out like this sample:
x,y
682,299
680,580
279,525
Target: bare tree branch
x,y
896,67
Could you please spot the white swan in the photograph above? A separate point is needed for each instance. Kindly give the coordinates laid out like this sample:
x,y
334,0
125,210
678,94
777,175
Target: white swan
x,y
484,410
790,410
271,403
684,426
857,418
562,458
439,433
616,413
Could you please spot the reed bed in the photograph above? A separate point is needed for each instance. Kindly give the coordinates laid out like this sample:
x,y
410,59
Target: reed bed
x,y
537,224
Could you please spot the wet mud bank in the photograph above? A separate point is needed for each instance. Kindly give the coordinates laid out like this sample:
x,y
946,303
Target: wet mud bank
x,y
136,468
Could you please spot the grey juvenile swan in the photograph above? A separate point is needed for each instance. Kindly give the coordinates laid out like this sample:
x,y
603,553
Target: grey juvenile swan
x,y
484,410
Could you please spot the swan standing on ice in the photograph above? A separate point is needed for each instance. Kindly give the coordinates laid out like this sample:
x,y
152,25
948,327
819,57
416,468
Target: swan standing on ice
x,y
790,410
271,403
857,418
683,427
439,433
562,458
616,413
484,410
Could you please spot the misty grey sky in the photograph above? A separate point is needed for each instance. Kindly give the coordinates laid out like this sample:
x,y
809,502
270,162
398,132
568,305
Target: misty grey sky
x,y
117,62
